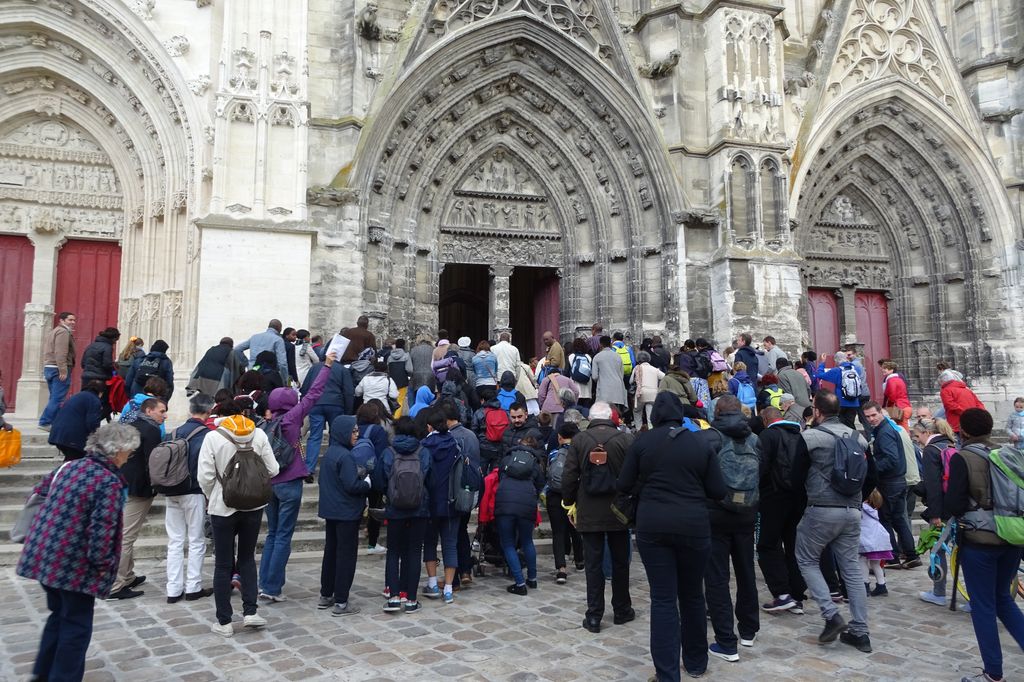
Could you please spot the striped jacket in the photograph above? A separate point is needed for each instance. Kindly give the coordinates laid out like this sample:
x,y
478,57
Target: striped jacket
x,y
74,543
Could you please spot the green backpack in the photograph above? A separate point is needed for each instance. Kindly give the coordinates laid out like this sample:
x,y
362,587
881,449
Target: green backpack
x,y
1006,475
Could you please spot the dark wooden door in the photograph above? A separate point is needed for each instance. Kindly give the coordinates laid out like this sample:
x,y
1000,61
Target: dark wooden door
x,y
546,311
873,331
88,285
16,256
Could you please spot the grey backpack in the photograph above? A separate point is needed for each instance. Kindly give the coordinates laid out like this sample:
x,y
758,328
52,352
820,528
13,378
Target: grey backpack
x,y
168,465
405,485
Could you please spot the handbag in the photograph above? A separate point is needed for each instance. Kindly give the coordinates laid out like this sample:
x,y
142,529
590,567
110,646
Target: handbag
x,y
10,447
22,524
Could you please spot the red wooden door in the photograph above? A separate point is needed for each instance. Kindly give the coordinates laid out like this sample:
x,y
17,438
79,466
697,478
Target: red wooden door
x,y
16,256
823,316
88,285
873,332
546,311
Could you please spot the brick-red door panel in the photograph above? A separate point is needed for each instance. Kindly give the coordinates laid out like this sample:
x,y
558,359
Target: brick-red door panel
x,y
823,316
88,285
873,332
16,256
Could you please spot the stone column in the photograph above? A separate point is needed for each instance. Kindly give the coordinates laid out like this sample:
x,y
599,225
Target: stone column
x,y
32,391
500,294
847,297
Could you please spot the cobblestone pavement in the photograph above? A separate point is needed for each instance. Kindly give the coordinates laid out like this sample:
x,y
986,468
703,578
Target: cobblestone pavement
x,y
487,634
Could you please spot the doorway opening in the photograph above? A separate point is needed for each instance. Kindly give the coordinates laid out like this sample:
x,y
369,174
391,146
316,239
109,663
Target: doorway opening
x,y
463,302
533,308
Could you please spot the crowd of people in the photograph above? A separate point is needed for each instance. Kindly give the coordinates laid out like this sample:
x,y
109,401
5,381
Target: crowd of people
x,y
711,461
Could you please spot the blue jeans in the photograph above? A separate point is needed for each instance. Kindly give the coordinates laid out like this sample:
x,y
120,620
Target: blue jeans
x,y
675,566
319,416
508,527
893,517
66,636
448,528
839,530
282,512
988,572
58,392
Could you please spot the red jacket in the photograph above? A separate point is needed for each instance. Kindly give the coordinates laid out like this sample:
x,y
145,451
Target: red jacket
x,y
895,392
486,512
956,398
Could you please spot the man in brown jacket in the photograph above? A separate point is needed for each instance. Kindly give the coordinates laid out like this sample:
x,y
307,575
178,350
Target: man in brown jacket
x,y
359,339
591,485
58,361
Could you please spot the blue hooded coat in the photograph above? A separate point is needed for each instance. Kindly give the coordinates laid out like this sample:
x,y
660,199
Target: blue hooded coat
x,y
342,490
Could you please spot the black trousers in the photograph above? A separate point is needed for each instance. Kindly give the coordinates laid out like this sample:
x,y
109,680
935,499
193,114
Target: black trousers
x,y
848,416
405,549
464,549
565,539
373,525
338,569
245,525
776,546
593,557
733,542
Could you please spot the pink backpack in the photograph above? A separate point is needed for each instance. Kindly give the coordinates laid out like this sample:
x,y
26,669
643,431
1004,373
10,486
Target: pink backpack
x,y
947,454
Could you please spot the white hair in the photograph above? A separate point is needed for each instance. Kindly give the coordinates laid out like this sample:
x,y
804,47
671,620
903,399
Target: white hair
x,y
600,410
111,439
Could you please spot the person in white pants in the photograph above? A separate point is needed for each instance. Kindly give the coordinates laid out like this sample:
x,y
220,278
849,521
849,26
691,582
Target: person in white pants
x,y
186,513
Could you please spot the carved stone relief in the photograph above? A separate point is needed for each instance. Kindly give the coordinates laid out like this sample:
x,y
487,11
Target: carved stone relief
x,y
750,77
485,250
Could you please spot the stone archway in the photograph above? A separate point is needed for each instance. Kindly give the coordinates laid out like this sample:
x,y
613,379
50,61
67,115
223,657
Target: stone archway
x,y
574,177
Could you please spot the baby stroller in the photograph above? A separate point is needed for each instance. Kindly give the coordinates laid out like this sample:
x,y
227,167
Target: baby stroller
x,y
487,549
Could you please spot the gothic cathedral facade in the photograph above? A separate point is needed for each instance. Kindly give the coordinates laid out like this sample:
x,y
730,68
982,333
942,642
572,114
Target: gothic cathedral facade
x,y
829,171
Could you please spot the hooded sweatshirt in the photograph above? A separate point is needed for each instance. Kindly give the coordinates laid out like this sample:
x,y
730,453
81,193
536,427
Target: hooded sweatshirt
x,y
424,397
397,368
217,452
732,425
342,490
443,450
284,403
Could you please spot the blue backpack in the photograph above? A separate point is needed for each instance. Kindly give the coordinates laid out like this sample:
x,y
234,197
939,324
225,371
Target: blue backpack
x,y
746,394
506,398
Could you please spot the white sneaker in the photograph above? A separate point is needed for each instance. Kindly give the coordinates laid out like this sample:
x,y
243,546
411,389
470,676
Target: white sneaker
x,y
377,549
748,642
273,597
254,621
225,630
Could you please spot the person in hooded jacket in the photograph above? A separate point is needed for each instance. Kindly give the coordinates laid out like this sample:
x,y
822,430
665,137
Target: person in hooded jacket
x,y
80,416
674,471
444,519
398,370
98,356
521,426
305,356
794,383
154,363
283,509
741,377
457,389
934,436
507,391
217,369
515,513
377,385
784,463
956,397
424,399
849,408
362,367
270,376
406,527
732,538
336,400
344,485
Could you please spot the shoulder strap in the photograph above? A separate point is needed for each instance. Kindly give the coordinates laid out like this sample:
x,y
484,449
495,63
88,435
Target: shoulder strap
x,y
194,432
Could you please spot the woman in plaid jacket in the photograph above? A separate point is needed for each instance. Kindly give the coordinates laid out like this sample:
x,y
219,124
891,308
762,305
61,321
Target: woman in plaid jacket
x,y
74,546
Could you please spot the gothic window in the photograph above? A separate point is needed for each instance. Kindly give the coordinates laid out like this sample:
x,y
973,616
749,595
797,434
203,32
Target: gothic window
x,y
741,205
772,198
748,51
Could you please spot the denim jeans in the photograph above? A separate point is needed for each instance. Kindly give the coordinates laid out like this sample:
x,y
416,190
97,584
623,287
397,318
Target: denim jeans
x,y
402,563
319,417
341,551
66,636
839,529
509,527
58,392
988,572
893,516
447,527
245,526
675,566
282,513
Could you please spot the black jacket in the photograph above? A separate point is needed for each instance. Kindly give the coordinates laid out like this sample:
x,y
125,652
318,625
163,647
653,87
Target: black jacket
x,y
98,360
681,473
660,358
748,356
518,497
136,469
783,439
732,425
513,436
931,478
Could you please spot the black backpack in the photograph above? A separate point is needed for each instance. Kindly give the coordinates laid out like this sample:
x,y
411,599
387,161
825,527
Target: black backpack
x,y
850,467
704,366
284,452
148,367
519,464
405,485
785,463
598,477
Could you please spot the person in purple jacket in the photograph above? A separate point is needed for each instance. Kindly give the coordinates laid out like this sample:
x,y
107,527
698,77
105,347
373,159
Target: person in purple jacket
x,y
283,509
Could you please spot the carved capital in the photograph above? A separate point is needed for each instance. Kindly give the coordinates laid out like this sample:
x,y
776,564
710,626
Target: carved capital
x,y
500,270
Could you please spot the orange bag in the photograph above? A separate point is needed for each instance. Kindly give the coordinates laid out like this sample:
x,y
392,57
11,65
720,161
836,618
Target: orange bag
x,y
10,447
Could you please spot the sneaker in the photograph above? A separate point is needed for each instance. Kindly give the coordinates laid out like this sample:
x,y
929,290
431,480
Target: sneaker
x,y
983,677
963,606
139,579
858,642
324,603
721,652
560,577
393,605
911,563
377,549
386,593
798,610
880,591
175,600
777,604
412,606
532,584
432,592
346,610
273,598
227,630
201,594
517,589
45,427
254,620
449,598
833,626
932,598
580,566
125,593
748,641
